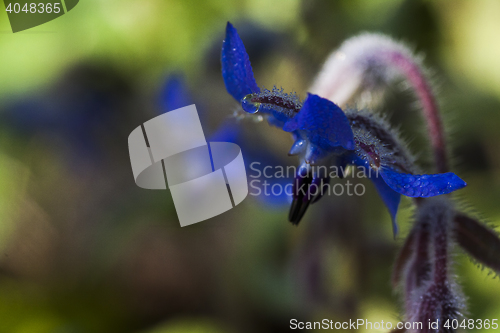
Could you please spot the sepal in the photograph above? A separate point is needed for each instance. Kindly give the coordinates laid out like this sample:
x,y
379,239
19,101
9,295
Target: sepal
x,y
236,68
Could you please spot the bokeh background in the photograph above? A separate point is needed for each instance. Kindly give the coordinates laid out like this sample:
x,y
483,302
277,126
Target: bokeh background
x,y
83,249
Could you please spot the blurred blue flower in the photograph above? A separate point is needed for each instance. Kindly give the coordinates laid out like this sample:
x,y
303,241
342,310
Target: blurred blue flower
x,y
175,94
84,110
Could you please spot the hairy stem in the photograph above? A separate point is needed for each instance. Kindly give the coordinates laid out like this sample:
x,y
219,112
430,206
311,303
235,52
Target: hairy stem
x,y
441,250
420,268
430,107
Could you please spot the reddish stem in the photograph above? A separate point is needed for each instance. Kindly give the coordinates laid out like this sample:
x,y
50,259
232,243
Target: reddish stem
x,y
430,108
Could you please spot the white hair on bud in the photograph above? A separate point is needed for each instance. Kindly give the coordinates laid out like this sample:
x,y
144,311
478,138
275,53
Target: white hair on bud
x,y
361,67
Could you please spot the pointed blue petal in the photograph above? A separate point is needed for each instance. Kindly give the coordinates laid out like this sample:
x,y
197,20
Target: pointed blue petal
x,y
324,122
236,69
422,185
390,197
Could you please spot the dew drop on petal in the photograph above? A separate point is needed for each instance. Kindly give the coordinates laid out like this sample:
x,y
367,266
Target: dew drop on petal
x,y
248,105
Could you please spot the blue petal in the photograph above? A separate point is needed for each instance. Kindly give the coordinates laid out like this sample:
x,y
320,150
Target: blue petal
x,y
291,125
325,124
423,186
390,197
236,69
175,94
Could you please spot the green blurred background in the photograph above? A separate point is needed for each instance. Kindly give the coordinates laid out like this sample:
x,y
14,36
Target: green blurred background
x,y
82,249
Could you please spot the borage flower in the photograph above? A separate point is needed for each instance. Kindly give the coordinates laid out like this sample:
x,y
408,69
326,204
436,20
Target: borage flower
x,y
325,135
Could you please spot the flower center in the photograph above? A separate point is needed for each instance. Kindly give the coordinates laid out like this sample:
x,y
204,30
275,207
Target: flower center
x,y
373,157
